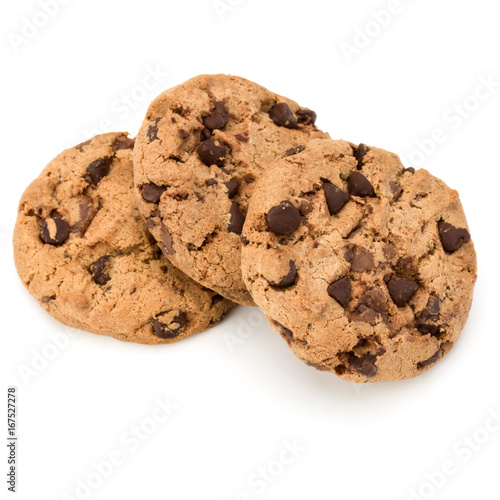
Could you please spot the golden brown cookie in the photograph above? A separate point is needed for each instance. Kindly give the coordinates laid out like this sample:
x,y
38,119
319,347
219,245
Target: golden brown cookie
x,y
83,251
198,154
366,269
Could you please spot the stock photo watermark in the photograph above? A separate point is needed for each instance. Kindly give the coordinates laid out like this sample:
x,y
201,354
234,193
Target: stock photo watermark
x,y
452,119
245,329
265,476
12,438
129,442
41,358
366,33
33,24
123,106
224,7
463,450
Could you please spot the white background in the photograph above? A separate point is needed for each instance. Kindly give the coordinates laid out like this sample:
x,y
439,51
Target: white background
x,y
240,394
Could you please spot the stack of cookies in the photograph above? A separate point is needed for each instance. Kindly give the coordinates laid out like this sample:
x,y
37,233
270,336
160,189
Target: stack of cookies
x,y
229,195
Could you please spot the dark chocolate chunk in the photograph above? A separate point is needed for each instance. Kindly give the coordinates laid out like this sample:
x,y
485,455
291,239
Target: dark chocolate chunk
x,y
409,169
361,151
218,118
123,143
401,289
285,332
375,299
54,231
237,219
361,260
427,321
212,152
284,218
429,361
99,168
452,237
169,325
152,193
100,270
359,185
87,212
336,198
396,190
83,144
232,187
364,314
242,137
152,133
293,151
306,116
206,134
364,365
289,279
282,115
183,133
166,241
341,290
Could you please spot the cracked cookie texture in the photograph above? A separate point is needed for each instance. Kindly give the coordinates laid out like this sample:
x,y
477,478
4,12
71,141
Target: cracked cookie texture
x,y
365,268
198,154
83,251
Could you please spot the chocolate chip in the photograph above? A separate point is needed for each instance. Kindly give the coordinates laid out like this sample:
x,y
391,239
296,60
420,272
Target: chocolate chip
x,y
427,320
100,270
210,182
293,151
361,260
87,212
389,251
364,365
341,290
83,144
218,118
99,169
306,116
375,299
232,187
249,179
409,169
242,137
452,238
401,289
169,325
289,279
212,152
305,207
336,198
47,299
152,193
54,231
285,332
216,299
123,143
429,361
206,134
152,133
183,133
237,219
282,115
396,190
284,218
359,185
361,151
166,241
364,314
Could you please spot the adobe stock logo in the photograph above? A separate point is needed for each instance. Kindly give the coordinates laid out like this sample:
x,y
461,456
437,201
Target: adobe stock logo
x,y
365,34
31,26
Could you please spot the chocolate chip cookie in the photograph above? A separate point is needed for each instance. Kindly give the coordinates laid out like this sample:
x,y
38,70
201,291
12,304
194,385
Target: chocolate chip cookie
x,y
198,154
84,252
365,268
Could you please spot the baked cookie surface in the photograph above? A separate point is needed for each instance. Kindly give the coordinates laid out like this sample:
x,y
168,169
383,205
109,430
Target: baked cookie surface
x,y
84,252
365,268
198,154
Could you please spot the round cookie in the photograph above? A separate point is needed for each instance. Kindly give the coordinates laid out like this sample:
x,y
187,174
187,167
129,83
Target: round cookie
x,y
365,268
198,154
84,252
